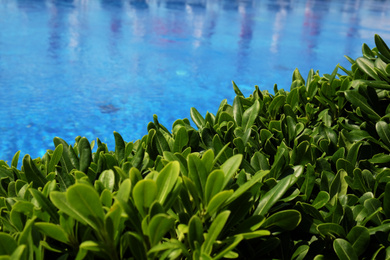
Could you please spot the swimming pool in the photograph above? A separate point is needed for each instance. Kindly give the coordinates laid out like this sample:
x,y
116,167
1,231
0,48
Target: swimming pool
x,y
89,68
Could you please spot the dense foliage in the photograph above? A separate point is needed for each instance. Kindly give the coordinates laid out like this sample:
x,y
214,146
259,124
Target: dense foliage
x,y
296,175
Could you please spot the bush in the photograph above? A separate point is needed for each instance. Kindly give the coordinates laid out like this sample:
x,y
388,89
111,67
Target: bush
x,y
296,175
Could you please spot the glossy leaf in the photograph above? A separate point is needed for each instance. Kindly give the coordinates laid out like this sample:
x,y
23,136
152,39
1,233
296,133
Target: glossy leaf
x,y
107,178
144,193
214,184
215,229
33,174
359,238
250,115
230,167
56,157
166,180
344,250
383,131
272,196
159,225
286,219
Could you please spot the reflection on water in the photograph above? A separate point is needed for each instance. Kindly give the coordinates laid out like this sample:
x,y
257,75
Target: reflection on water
x,y
82,67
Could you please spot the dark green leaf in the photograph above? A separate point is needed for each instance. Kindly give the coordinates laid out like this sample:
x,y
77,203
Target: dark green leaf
x,y
344,250
85,154
286,219
33,174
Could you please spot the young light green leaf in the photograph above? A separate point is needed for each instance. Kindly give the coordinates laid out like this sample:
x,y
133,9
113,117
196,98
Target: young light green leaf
x,y
107,178
218,201
84,200
214,184
230,167
166,180
144,193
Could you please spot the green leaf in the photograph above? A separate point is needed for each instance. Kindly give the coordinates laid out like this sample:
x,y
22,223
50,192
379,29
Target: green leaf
x,y
237,90
359,237
197,118
218,200
383,130
197,172
137,246
54,231
55,158
361,102
382,47
321,199
237,110
85,201
276,104
85,154
367,66
286,219
386,200
331,229
107,177
46,204
66,163
344,250
247,185
214,184
144,193
226,250
215,229
33,174
273,195
181,139
7,244
15,160
230,167
166,180
195,232
250,115
159,225
90,245
120,147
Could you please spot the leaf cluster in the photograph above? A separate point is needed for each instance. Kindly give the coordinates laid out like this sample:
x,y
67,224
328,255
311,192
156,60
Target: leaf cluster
x,y
301,174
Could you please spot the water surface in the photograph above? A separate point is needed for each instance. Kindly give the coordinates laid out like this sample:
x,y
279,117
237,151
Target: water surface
x,y
88,68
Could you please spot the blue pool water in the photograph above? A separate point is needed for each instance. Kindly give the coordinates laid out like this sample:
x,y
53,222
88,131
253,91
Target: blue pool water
x,y
89,67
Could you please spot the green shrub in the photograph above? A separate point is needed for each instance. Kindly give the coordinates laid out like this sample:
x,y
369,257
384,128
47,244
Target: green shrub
x,y
296,175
